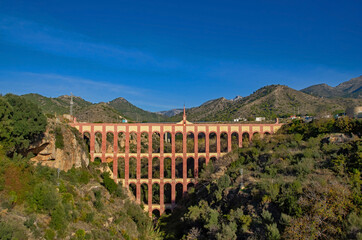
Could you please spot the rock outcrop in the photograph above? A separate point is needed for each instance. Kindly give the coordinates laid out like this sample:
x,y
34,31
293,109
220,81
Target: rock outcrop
x,y
61,147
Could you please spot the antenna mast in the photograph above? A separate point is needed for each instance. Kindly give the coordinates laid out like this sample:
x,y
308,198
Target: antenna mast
x,y
71,104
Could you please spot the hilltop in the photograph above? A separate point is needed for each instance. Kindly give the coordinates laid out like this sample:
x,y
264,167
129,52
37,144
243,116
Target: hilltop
x,y
348,89
269,102
130,111
83,110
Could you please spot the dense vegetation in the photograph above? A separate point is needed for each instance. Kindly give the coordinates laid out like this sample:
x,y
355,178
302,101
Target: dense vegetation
x,y
37,202
21,123
303,183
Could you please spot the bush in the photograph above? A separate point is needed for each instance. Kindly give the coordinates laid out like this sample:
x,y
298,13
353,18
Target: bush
x,y
109,183
59,139
11,230
59,221
272,232
43,198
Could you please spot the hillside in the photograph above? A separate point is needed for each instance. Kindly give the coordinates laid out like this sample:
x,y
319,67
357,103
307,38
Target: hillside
x,y
130,111
270,102
302,183
348,89
100,112
208,111
171,113
39,202
59,105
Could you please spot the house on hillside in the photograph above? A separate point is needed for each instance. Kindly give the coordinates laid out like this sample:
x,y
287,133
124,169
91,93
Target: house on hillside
x,y
240,119
259,119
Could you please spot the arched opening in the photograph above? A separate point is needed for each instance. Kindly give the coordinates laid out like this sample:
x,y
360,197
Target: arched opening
x,y
156,193
202,164
144,168
245,138
97,160
190,187
144,142
190,142
155,142
144,193
224,142
133,168
121,172
179,192
133,142
121,142
201,142
109,142
179,142
190,167
212,142
256,136
234,140
156,213
167,163
98,143
133,189
178,168
86,138
213,159
266,134
155,167
168,211
167,143
167,193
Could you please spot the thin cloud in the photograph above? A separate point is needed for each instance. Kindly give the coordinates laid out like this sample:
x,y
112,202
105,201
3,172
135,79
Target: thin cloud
x,y
54,85
62,43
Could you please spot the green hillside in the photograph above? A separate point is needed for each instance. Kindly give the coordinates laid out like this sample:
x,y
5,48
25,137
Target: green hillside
x,y
38,202
348,89
269,102
59,105
303,183
134,113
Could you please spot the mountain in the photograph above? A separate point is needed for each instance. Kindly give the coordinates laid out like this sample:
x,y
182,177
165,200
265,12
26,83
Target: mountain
x,y
270,102
100,112
130,111
170,113
348,89
59,105
86,111
208,111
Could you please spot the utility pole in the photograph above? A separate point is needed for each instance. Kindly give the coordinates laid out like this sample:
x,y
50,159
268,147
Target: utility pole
x,y
71,104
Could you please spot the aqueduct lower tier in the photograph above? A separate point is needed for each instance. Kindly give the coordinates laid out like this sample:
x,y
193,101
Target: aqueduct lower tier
x,y
171,158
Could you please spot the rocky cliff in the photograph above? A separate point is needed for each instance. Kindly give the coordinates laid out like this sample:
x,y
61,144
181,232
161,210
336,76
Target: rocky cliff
x,y
60,147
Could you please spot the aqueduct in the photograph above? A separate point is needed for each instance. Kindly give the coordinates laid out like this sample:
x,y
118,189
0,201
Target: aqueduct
x,y
159,161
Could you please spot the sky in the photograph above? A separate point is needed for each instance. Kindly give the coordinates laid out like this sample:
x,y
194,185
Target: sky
x,y
160,55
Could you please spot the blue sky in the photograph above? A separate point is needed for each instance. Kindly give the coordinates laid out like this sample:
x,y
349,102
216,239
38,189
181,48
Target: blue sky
x,y
162,54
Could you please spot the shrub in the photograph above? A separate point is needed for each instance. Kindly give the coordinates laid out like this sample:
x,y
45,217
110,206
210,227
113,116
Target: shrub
x,y
11,230
59,139
109,183
43,198
272,232
49,234
59,221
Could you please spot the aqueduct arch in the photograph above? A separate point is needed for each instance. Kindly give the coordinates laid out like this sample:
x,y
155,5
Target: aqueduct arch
x,y
157,157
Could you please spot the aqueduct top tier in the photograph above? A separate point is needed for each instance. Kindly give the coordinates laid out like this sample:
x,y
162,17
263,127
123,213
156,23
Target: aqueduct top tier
x,y
171,146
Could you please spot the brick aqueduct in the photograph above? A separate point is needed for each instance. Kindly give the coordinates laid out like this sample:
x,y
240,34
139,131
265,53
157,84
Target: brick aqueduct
x,y
167,171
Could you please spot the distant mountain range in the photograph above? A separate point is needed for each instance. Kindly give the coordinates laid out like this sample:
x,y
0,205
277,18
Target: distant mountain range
x,y
270,102
349,89
171,113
